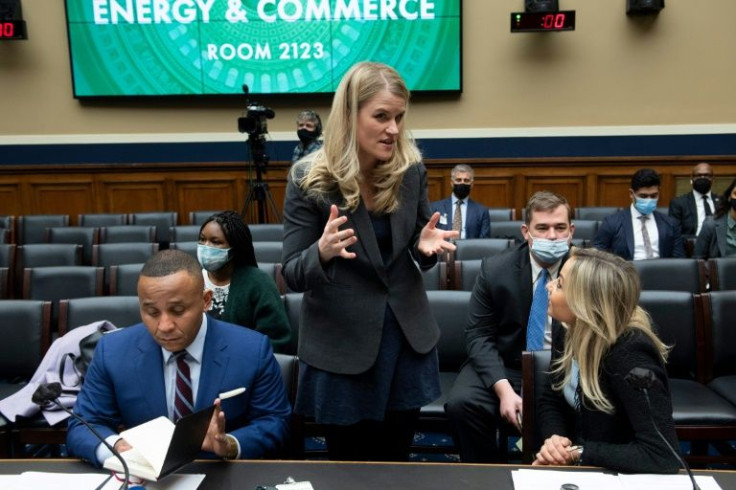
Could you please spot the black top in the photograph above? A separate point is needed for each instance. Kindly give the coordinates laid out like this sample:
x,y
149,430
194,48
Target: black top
x,y
626,440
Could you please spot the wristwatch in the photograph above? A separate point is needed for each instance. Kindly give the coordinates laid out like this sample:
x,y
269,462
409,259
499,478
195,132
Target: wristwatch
x,y
580,456
232,447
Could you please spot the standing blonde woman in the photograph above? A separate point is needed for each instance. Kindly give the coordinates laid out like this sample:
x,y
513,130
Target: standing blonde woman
x,y
356,217
590,404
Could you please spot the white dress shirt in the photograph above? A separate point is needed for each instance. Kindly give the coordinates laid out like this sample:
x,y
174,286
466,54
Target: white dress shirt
x,y
640,251
701,207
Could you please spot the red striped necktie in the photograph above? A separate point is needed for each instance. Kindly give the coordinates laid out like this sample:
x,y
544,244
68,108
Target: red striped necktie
x,y
183,404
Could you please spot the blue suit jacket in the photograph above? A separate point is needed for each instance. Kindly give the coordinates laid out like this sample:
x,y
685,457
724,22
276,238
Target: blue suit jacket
x,y
124,387
616,235
477,221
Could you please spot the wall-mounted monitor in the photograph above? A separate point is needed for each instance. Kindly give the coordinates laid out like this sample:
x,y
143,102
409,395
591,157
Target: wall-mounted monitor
x,y
214,47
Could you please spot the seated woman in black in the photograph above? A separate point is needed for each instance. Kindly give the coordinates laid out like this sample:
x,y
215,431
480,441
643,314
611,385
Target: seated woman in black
x,y
718,236
590,414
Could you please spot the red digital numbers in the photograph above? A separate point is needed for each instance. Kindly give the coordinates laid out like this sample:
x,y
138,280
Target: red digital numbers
x,y
7,29
553,21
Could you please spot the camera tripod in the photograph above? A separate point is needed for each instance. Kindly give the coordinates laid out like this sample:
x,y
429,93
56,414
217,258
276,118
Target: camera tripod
x,y
259,194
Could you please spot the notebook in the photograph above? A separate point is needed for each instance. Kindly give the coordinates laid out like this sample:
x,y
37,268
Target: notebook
x,y
160,447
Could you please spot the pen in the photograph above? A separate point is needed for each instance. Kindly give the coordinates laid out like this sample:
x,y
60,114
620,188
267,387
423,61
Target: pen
x,y
232,393
518,418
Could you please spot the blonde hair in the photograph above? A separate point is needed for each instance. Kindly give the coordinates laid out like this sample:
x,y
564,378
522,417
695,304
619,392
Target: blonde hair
x,y
335,166
602,292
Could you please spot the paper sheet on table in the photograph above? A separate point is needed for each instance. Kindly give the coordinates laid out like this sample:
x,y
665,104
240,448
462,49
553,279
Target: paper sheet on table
x,y
667,482
176,481
33,480
553,480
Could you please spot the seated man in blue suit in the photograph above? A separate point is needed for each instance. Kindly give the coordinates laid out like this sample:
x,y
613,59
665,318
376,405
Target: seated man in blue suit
x,y
472,220
135,375
639,232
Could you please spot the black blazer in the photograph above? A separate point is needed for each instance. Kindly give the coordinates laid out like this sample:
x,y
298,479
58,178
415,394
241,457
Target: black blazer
x,y
685,212
616,235
344,301
711,241
498,314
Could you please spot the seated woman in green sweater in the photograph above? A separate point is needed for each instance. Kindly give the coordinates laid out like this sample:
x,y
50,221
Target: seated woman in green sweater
x,y
243,294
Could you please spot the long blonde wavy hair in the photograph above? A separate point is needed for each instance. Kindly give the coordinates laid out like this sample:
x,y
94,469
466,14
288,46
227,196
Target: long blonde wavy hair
x,y
335,166
602,291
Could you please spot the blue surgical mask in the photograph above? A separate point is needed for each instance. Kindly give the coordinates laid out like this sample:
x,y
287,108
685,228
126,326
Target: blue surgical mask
x,y
549,251
645,205
212,258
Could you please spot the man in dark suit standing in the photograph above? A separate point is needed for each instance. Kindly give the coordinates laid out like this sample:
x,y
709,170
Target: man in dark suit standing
x,y
507,314
460,213
176,362
692,209
639,232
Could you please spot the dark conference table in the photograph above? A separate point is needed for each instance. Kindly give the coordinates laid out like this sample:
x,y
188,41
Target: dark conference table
x,y
324,475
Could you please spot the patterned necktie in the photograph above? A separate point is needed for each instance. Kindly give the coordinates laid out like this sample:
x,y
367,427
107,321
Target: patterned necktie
x,y
538,314
706,205
457,218
645,236
183,395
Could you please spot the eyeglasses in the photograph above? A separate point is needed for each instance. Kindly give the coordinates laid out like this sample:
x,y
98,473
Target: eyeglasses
x,y
462,181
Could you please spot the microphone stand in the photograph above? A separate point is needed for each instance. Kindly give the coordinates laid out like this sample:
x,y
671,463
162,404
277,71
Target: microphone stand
x,y
126,478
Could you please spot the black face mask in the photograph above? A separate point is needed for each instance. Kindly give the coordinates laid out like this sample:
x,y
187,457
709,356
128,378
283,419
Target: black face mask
x,y
461,191
305,135
702,185
733,204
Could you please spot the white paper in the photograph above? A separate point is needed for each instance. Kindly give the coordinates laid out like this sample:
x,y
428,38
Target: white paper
x,y
33,480
151,440
544,479
667,482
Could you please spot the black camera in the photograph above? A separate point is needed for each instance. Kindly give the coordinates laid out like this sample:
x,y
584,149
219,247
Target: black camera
x,y
254,120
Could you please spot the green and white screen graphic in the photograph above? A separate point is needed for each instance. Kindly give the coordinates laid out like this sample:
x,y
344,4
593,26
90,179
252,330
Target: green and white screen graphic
x,y
190,47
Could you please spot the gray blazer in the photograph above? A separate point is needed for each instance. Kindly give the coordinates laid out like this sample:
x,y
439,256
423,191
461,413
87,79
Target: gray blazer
x,y
711,241
344,301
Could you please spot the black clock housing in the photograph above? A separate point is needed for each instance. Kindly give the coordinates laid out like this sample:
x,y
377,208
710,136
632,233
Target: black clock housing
x,y
13,30
560,20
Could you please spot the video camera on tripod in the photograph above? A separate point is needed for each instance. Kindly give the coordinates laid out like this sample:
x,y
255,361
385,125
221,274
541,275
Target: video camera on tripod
x,y
254,123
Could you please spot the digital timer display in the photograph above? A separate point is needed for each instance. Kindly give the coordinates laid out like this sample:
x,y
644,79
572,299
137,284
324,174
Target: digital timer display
x,y
563,20
12,30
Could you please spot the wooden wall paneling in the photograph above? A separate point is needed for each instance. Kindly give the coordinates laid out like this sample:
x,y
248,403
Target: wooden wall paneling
x,y
215,192
128,194
437,185
60,196
614,191
572,188
495,192
11,195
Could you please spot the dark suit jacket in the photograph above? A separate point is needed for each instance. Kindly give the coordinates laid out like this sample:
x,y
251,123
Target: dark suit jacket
x,y
477,221
711,241
125,386
616,235
498,314
344,302
684,211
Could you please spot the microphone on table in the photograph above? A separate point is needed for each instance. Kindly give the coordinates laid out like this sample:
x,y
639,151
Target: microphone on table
x,y
641,379
48,393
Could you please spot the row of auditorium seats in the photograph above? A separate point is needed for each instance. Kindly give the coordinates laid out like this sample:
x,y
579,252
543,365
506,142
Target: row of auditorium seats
x,y
32,228
690,275
15,259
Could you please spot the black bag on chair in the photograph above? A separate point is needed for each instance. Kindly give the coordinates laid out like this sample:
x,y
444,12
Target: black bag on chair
x,y
80,362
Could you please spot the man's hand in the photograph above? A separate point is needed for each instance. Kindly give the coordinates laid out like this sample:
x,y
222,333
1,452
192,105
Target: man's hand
x,y
121,445
216,440
510,402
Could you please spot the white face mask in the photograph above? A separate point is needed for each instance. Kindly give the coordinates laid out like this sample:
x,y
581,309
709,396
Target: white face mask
x,y
212,258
